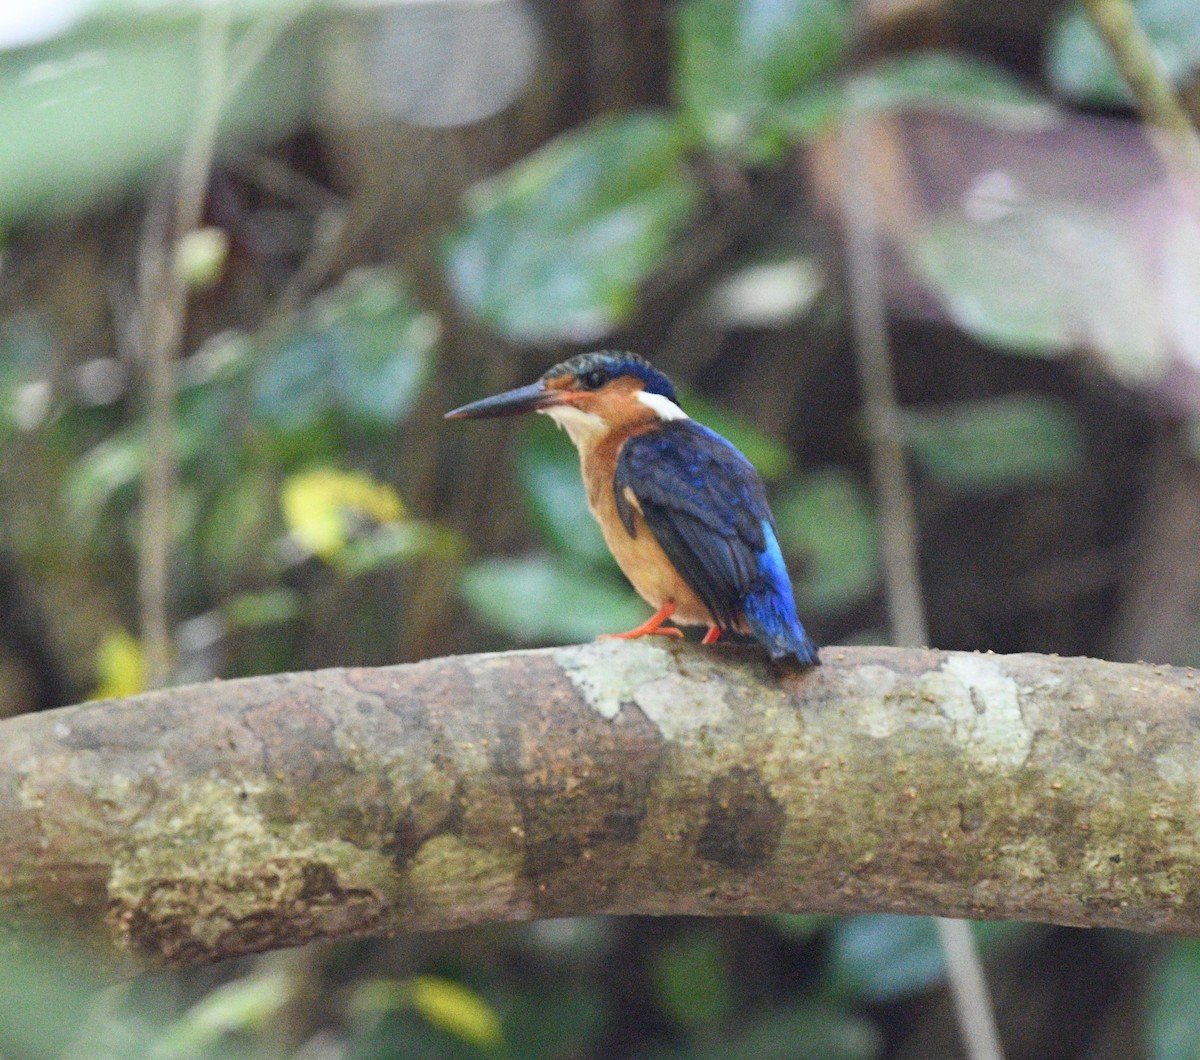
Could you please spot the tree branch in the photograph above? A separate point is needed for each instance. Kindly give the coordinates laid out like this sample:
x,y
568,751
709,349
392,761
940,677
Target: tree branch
x,y
196,823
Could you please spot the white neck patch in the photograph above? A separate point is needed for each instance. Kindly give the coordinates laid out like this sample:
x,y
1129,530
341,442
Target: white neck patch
x,y
664,407
584,428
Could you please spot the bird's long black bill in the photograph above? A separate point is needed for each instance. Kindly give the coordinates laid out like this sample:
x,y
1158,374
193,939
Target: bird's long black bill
x,y
510,403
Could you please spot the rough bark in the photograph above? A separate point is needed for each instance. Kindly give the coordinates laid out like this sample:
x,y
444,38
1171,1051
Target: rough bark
x,y
197,823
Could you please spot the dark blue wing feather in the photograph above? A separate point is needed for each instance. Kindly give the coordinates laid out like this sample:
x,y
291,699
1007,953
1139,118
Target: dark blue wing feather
x,y
706,506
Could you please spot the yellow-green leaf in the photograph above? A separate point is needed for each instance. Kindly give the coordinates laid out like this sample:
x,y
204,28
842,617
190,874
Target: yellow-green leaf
x,y
323,507
120,666
456,1009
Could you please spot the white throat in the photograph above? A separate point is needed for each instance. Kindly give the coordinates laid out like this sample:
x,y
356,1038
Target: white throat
x,y
585,429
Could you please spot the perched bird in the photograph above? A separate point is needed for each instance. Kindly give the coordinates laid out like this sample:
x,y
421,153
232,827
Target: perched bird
x,y
684,512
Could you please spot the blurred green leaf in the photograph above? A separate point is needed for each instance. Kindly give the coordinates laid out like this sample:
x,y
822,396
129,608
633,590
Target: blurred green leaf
x,y
996,443
548,469
46,997
827,517
267,608
737,63
542,599
1044,280
238,518
1082,67
397,543
815,1030
25,364
90,113
691,977
1172,1014
245,1004
201,256
881,958
936,81
362,351
100,474
554,1020
812,1030
770,456
554,248
401,1033
204,436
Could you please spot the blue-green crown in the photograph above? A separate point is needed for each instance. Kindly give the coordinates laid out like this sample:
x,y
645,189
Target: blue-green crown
x,y
593,370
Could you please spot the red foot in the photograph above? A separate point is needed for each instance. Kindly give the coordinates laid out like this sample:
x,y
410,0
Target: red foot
x,y
653,626
712,636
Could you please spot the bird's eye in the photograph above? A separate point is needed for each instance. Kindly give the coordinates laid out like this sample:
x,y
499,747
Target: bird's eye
x,y
594,379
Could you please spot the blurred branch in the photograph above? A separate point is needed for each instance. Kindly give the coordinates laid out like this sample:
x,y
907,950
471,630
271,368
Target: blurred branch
x,y
193,824
162,296
1143,70
881,409
898,522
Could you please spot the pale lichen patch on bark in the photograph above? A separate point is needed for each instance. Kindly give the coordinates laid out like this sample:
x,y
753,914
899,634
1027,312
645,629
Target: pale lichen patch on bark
x,y
1181,768
982,701
873,713
682,708
607,674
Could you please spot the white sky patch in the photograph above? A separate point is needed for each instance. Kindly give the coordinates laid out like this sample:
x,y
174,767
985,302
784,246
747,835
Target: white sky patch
x,y
24,24
663,406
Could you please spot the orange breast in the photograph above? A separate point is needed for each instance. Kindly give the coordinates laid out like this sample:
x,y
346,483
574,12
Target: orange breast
x,y
639,556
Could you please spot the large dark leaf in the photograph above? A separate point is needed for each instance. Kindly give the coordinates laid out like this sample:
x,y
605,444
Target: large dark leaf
x,y
827,518
540,599
996,443
548,467
110,104
693,982
882,958
925,81
736,65
360,352
554,248
1172,1016
1046,279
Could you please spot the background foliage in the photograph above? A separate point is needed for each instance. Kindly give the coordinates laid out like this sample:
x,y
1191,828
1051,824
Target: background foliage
x,y
415,206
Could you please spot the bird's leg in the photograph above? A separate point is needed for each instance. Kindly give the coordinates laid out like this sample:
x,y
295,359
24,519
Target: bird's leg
x,y
712,636
652,626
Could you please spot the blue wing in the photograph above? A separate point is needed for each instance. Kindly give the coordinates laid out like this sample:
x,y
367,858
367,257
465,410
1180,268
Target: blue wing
x,y
706,506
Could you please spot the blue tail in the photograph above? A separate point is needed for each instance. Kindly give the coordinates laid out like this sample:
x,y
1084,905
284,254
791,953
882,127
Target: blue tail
x,y
770,608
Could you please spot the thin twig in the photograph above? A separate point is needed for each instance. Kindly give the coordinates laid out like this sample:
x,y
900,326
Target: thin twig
x,y
1143,70
163,304
163,307
906,606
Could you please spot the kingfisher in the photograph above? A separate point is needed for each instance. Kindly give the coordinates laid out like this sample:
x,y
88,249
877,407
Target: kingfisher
x,y
684,513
